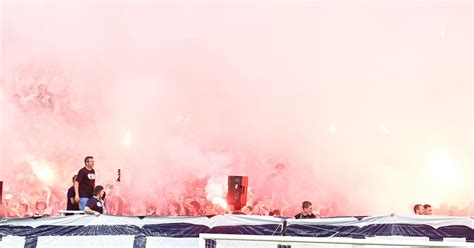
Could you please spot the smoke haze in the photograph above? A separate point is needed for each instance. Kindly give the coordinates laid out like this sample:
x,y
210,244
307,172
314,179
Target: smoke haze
x,y
366,104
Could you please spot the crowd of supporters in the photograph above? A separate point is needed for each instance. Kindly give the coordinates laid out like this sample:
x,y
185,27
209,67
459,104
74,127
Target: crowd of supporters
x,y
42,111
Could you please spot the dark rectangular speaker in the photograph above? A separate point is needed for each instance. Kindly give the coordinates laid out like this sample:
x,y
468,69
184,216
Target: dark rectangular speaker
x,y
237,191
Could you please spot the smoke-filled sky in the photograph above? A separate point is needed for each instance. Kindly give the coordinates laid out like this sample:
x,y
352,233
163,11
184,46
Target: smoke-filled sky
x,y
368,104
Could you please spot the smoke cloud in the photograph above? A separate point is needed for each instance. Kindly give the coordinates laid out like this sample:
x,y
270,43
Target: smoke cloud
x,y
366,105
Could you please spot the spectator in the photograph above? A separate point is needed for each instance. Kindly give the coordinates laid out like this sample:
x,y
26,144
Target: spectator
x,y
275,213
209,210
44,99
174,208
85,182
23,210
200,191
307,212
260,208
194,209
186,205
151,210
427,209
418,209
202,201
40,207
247,210
114,201
95,205
72,204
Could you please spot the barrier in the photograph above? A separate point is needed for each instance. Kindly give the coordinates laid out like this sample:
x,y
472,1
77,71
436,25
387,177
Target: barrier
x,y
120,231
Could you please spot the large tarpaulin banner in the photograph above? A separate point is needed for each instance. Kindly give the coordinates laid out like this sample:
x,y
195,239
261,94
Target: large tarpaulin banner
x,y
120,231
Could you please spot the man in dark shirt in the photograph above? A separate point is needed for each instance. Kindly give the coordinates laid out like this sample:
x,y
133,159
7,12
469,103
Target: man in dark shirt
x,y
307,212
71,195
95,205
85,182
